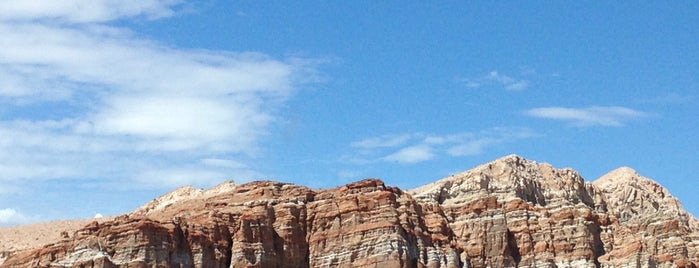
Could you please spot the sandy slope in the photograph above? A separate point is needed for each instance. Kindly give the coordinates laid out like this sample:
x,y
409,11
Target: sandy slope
x,y
37,234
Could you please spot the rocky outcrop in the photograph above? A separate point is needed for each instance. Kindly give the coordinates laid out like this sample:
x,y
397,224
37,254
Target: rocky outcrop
x,y
368,224
654,230
515,212
511,212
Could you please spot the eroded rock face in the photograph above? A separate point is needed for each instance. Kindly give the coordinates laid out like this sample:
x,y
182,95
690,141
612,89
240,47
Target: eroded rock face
x,y
368,224
511,212
515,212
654,230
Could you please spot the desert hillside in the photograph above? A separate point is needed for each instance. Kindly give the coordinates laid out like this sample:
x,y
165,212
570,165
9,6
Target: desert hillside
x,y
511,212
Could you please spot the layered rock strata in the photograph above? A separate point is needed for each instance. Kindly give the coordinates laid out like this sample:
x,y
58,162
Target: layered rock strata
x,y
511,212
654,230
514,212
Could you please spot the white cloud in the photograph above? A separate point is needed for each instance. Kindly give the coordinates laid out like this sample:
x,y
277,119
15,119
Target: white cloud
x,y
10,216
411,154
85,10
123,107
410,148
475,144
471,147
177,123
494,78
589,116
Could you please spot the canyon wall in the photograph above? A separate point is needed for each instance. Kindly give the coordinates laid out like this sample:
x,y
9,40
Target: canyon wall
x,y
511,212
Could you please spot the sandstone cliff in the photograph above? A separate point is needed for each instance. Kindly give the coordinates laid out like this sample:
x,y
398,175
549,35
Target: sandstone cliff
x,y
654,229
511,212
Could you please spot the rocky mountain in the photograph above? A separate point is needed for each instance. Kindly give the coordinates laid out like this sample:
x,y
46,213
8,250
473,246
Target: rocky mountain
x,y
511,212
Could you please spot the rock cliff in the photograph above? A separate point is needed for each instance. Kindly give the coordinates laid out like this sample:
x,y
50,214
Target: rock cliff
x,y
654,229
511,212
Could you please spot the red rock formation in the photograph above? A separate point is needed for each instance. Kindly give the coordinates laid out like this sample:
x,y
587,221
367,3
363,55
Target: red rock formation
x,y
367,224
511,212
653,229
515,212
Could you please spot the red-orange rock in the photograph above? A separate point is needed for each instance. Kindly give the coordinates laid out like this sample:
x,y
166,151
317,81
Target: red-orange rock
x,y
511,212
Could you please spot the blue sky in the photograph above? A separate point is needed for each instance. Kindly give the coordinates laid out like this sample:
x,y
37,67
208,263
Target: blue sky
x,y
106,104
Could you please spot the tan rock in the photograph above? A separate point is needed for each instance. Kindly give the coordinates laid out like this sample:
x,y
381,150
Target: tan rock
x,y
510,212
653,228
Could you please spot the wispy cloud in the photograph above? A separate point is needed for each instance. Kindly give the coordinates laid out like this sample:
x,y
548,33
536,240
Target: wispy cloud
x,y
589,116
82,11
382,141
494,78
411,154
411,148
122,106
472,147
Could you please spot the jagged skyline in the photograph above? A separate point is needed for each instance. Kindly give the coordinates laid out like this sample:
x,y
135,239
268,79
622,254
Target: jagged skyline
x,y
509,212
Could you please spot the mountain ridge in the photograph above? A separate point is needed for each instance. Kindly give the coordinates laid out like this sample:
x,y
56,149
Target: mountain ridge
x,y
509,212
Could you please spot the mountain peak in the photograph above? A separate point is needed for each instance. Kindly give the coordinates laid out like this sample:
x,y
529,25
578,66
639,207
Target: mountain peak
x,y
633,196
624,170
184,193
507,164
224,187
624,177
512,159
511,177
167,199
621,174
